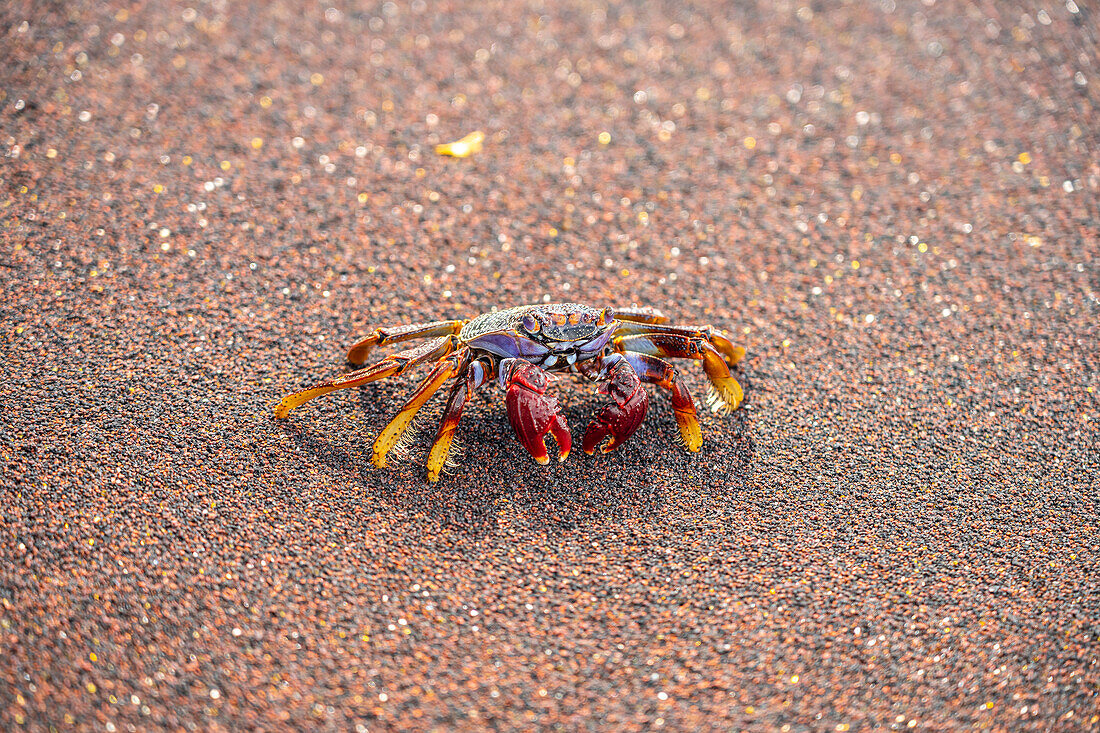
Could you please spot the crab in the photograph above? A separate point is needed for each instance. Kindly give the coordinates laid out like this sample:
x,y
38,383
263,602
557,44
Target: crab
x,y
520,348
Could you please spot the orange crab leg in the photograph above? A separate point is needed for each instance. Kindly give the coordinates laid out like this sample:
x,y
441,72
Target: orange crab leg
x,y
641,315
477,373
391,365
394,334
444,369
727,393
732,354
652,370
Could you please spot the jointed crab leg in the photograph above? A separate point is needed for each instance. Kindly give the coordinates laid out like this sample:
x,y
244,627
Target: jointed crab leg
x,y
732,354
650,320
652,370
477,374
444,369
727,393
394,334
391,365
641,315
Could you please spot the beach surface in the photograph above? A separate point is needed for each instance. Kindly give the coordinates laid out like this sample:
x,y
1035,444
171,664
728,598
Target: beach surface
x,y
891,205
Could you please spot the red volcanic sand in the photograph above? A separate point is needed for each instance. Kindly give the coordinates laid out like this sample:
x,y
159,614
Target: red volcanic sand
x,y
893,208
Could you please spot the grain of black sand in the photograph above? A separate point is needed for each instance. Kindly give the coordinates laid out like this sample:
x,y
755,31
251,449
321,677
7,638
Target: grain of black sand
x,y
893,206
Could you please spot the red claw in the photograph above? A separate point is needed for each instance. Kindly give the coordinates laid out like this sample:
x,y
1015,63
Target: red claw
x,y
532,412
619,419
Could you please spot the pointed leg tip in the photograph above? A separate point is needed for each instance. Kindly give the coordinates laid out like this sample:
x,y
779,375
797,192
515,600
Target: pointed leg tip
x,y
692,440
379,461
563,456
357,355
542,460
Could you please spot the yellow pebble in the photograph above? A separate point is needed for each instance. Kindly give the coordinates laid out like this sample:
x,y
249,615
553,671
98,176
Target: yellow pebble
x,y
462,148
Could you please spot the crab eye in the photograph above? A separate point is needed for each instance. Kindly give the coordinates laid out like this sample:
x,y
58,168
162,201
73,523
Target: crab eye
x,y
606,316
531,324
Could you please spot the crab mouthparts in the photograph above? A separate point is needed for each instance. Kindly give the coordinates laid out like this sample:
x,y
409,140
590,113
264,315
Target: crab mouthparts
x,y
561,357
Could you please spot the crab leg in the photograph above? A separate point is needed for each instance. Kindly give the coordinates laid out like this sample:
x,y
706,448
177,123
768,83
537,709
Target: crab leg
x,y
641,315
444,369
476,374
732,354
394,334
652,370
726,393
391,365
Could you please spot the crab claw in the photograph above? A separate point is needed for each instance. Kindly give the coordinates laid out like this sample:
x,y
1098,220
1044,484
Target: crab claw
x,y
622,416
531,411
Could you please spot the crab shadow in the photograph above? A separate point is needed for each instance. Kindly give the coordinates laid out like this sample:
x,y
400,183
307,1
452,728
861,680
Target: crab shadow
x,y
494,476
